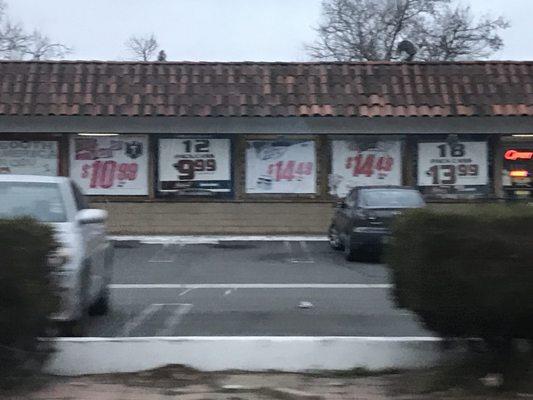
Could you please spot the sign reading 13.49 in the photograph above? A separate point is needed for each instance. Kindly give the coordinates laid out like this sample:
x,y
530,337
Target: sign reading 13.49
x,y
458,164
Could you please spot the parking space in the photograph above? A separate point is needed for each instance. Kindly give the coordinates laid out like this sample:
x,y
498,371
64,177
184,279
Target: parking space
x,y
241,288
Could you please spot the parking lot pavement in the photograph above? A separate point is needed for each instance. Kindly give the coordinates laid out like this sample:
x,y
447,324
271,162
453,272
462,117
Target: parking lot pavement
x,y
269,288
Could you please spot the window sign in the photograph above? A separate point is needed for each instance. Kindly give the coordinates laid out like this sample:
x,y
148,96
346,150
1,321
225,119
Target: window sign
x,y
284,166
195,165
29,157
110,165
517,173
452,169
360,162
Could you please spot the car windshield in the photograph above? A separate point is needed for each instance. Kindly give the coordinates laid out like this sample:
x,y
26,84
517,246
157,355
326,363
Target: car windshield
x,y
387,198
41,201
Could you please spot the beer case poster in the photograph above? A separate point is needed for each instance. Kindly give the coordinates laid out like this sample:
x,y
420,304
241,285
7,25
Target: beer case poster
x,y
29,157
453,169
114,165
284,166
364,163
195,165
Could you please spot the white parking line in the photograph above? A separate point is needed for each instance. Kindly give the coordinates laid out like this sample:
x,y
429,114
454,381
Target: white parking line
x,y
309,258
214,239
163,255
184,292
294,259
135,322
175,319
250,286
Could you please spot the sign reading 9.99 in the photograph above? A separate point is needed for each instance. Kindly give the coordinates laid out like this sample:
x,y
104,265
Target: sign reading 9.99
x,y
194,164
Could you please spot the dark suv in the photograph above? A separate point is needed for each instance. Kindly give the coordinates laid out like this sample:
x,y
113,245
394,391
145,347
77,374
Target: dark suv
x,y
362,220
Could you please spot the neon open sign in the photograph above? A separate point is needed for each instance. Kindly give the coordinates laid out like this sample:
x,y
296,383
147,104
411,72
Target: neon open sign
x,y
518,155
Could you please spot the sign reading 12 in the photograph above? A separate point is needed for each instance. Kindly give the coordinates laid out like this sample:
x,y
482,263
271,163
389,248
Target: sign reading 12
x,y
188,168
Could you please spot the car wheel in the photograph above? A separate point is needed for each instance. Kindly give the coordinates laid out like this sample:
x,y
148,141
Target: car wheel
x,y
101,306
335,241
349,251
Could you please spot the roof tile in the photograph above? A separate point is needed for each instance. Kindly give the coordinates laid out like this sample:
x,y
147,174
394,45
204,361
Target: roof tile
x,y
266,89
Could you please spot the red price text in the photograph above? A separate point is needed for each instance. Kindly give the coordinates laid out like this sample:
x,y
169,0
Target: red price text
x,y
369,164
103,174
289,170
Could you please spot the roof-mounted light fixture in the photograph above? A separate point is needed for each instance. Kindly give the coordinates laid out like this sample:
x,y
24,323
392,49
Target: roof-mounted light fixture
x,y
527,135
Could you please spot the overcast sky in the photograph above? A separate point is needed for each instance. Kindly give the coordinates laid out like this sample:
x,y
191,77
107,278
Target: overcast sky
x,y
217,30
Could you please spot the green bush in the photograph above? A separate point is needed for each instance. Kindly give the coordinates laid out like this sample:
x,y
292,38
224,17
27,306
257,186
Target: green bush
x,y
467,273
27,298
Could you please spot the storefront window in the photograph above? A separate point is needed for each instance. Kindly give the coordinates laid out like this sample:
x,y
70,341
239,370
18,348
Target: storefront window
x,y
110,165
364,162
281,166
517,174
453,169
196,165
29,157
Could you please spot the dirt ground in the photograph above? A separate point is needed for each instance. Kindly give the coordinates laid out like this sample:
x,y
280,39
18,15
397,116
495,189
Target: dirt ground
x,y
176,382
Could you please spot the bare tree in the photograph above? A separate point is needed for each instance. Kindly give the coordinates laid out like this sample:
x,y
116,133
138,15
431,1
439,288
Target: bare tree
x,y
17,44
142,48
41,48
455,35
370,30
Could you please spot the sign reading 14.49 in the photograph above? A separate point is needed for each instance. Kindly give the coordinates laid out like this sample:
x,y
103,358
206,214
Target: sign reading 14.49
x,y
454,164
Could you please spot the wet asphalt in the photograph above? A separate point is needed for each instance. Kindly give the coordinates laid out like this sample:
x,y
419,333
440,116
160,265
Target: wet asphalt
x,y
269,288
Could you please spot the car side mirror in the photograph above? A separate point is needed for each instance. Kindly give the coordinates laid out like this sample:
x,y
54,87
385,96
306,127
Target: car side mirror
x,y
91,216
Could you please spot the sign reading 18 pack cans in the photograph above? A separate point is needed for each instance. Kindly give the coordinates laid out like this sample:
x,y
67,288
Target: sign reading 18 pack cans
x,y
195,165
453,169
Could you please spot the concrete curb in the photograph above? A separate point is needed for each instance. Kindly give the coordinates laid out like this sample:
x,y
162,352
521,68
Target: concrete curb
x,y
289,394
211,239
80,356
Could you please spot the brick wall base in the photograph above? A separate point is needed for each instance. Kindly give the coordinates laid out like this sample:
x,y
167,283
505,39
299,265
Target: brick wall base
x,y
225,218
217,218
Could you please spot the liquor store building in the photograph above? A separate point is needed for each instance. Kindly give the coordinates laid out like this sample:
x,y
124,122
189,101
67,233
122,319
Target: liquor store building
x,y
197,148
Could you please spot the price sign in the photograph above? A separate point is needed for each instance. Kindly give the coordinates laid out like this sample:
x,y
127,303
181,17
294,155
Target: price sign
x,y
115,165
287,166
195,164
457,164
364,163
453,170
28,157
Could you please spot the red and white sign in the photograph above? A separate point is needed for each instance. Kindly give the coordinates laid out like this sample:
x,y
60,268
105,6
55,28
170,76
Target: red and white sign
x,y
284,166
364,163
111,165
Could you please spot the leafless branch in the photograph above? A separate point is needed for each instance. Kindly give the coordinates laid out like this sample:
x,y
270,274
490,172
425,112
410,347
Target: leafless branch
x,y
368,30
142,48
17,44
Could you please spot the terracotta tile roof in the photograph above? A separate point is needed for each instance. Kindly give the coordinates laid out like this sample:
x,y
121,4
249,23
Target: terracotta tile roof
x,y
266,89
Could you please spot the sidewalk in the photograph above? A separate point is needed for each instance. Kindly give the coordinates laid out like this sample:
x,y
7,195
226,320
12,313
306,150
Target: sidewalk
x,y
181,383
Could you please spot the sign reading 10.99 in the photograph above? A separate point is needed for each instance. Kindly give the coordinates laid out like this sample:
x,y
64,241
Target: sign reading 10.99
x,y
453,164
194,164
114,165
